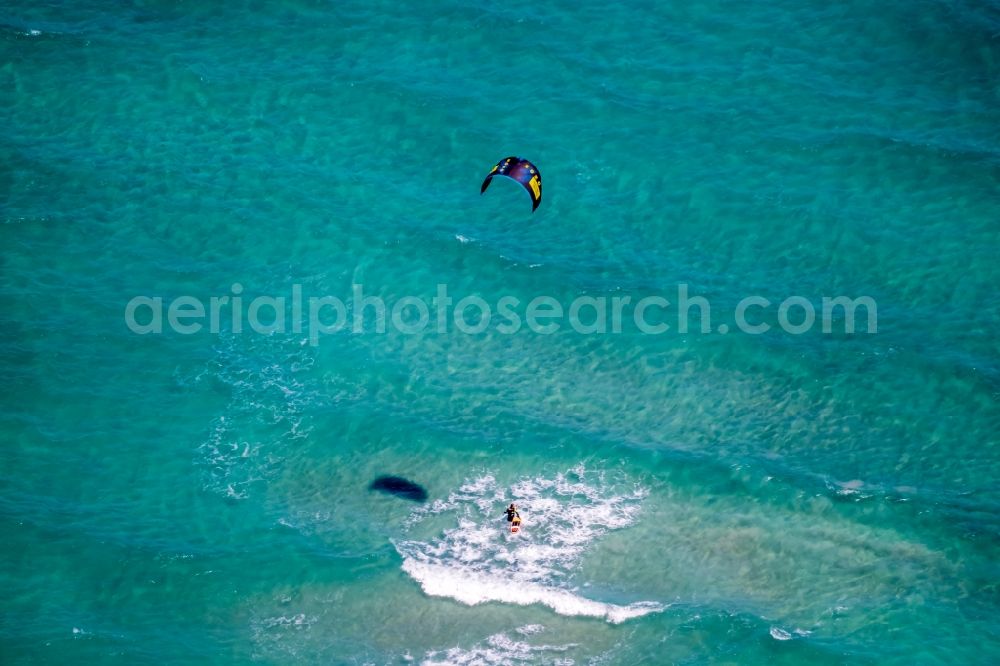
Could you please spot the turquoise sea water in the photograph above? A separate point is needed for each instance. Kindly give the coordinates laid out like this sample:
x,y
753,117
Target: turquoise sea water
x,y
688,498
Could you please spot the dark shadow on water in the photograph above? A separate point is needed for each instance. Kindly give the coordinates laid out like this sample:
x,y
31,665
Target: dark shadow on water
x,y
400,487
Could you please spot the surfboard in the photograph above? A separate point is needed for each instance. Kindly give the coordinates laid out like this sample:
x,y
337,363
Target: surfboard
x,y
515,525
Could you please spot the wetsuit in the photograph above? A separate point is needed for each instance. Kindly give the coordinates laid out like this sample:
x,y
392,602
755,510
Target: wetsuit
x,y
511,514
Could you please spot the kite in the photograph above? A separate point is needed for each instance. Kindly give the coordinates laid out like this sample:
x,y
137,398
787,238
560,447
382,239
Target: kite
x,y
523,172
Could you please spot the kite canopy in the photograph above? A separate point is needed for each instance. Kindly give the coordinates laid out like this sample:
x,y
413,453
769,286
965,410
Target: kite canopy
x,y
523,172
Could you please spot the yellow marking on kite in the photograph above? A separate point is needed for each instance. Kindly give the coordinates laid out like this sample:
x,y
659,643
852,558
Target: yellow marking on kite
x,y
494,168
535,184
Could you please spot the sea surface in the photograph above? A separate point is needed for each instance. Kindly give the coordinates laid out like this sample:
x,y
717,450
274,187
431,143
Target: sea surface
x,y
699,497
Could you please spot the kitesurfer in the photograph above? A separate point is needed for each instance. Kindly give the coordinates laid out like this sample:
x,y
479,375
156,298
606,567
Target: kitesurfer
x,y
512,513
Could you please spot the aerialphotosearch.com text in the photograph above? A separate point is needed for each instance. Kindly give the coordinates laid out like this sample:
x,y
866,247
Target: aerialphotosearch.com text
x,y
362,313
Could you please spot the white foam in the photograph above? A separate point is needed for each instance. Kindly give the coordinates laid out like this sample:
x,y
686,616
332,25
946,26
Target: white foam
x,y
779,634
270,401
499,649
299,620
472,588
479,561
